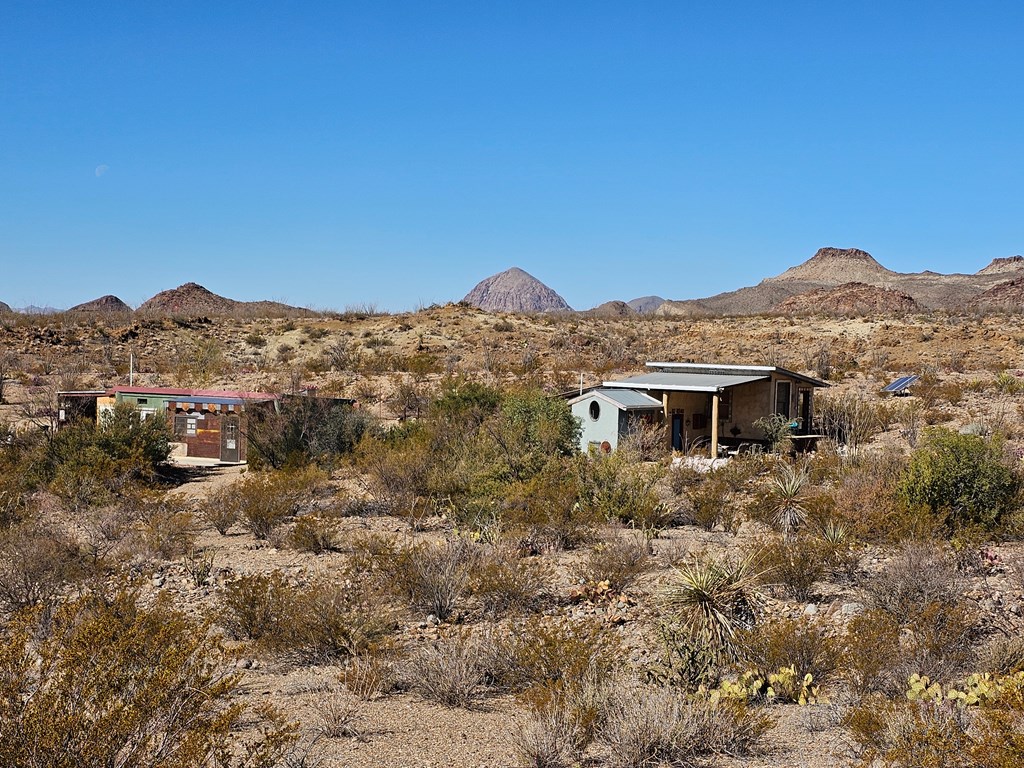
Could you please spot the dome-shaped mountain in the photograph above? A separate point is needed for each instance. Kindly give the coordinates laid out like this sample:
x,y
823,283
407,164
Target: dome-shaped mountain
x,y
849,299
1007,264
835,266
5,307
515,291
612,309
106,303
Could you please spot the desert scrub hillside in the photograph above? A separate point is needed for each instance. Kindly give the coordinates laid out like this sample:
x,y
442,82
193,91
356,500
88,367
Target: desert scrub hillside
x,y
448,582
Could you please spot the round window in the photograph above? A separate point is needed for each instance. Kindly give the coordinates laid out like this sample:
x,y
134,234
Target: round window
x,y
595,410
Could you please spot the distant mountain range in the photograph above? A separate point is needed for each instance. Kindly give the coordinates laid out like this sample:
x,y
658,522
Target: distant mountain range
x,y
833,280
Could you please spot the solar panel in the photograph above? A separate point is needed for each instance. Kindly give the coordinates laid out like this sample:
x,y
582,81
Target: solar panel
x,y
901,383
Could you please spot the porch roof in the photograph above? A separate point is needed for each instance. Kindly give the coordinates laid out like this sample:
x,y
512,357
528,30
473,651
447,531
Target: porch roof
x,y
623,399
686,382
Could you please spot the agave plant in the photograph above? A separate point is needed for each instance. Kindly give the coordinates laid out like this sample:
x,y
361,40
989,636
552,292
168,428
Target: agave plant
x,y
712,599
786,496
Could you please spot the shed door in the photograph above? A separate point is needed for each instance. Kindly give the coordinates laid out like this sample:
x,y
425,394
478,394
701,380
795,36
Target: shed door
x,y
677,431
229,437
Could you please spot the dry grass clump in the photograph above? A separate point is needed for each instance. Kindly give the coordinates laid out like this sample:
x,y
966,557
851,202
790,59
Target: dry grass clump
x,y
335,715
450,671
795,565
315,534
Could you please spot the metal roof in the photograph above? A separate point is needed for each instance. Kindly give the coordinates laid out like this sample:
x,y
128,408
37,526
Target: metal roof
x,y
686,382
735,370
194,395
623,399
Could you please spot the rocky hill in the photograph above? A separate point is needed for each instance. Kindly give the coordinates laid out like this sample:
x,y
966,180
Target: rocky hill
x,y
834,267
1007,295
612,309
108,304
5,307
515,291
193,299
850,299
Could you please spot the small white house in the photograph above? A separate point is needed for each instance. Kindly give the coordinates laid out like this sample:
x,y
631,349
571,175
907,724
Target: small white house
x,y
607,415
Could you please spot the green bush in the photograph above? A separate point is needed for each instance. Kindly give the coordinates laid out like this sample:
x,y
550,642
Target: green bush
x,y
965,478
304,429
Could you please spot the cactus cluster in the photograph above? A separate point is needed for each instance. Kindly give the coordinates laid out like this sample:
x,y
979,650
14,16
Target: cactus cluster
x,y
977,689
785,685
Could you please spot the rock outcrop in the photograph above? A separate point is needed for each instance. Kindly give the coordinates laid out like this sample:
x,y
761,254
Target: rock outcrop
x,y
194,300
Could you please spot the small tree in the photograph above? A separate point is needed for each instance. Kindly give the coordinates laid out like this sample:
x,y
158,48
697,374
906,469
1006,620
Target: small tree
x,y
964,477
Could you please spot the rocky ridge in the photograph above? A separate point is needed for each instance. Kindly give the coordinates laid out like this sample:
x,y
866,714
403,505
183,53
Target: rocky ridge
x,y
850,299
515,290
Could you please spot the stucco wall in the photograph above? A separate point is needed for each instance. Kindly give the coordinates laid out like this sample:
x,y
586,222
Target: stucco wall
x,y
606,428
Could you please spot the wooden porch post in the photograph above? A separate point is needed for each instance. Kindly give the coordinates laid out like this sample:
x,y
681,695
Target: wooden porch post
x,y
714,426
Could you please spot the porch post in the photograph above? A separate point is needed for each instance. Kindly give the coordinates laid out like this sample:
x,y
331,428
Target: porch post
x,y
714,426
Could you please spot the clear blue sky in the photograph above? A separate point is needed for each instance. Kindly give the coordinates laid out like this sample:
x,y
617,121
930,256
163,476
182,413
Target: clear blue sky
x,y
336,153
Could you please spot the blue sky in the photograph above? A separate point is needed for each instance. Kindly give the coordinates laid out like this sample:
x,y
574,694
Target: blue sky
x,y
395,153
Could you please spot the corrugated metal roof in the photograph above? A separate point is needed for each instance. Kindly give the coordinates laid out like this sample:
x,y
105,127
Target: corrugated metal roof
x,y
624,399
735,369
685,382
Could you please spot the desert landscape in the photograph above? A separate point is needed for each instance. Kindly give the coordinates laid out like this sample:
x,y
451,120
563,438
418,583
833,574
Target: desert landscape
x,y
435,575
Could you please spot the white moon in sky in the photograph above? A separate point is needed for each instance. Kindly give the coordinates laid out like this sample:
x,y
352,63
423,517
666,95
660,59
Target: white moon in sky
x,y
101,169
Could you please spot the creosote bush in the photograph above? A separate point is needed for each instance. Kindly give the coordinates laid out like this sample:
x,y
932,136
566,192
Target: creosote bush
x,y
618,561
116,684
264,500
505,582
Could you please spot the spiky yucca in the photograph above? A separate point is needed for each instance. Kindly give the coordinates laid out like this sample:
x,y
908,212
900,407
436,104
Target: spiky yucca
x,y
786,496
712,599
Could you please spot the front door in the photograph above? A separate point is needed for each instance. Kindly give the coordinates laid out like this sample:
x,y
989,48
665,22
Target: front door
x,y
229,439
677,431
805,411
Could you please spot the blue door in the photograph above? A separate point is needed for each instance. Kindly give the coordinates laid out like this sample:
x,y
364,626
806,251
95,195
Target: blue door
x,y
677,431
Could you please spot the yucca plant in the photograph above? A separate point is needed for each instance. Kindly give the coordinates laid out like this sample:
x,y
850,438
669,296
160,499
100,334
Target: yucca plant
x,y
713,599
787,499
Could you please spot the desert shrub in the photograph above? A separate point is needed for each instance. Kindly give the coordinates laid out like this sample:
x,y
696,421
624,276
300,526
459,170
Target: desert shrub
x,y
87,464
849,418
546,740
543,512
777,430
711,599
314,534
264,500
528,430
618,561
797,643
683,661
505,582
709,502
435,577
919,575
618,487
681,477
646,727
36,562
119,684
221,518
449,671
1002,655
872,655
305,429
793,565
167,525
542,655
964,478
371,673
313,623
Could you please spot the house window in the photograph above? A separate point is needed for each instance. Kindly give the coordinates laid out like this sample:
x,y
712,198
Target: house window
x,y
595,410
783,390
